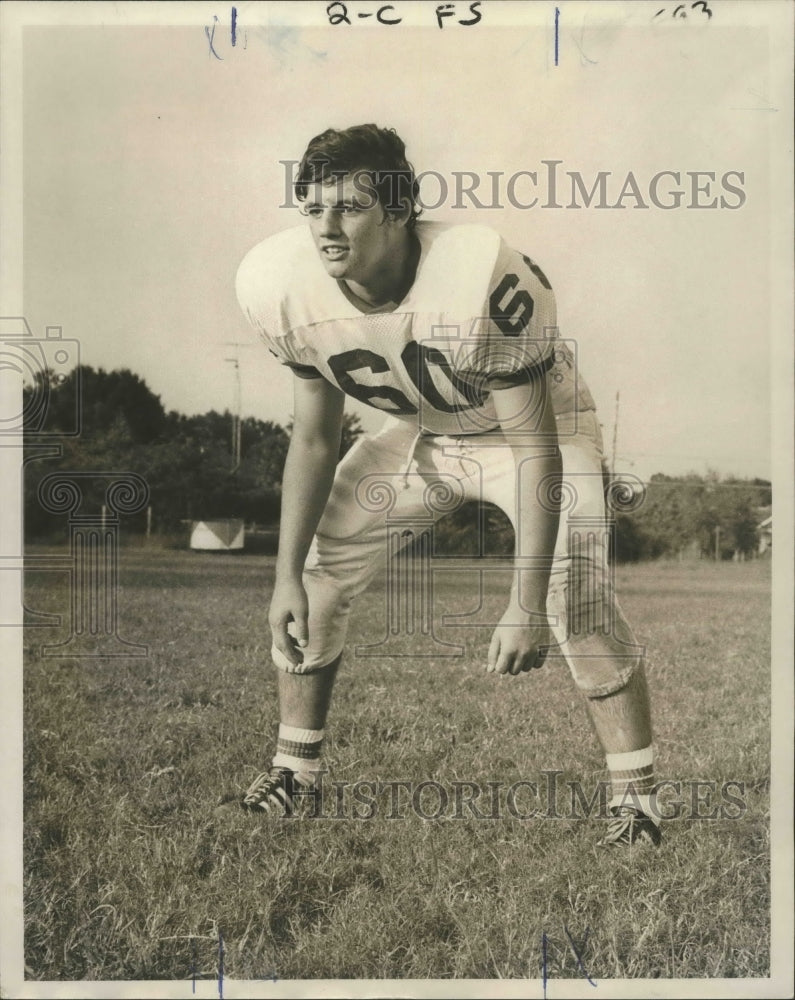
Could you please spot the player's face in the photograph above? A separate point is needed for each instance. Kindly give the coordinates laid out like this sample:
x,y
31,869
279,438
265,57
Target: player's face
x,y
353,234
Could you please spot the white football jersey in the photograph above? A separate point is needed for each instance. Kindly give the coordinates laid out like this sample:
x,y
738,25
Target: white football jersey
x,y
478,316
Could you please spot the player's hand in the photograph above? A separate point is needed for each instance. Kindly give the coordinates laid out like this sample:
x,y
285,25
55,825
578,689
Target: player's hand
x,y
517,646
289,604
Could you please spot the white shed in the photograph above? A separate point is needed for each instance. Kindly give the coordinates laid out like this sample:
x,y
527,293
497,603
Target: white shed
x,y
765,531
218,536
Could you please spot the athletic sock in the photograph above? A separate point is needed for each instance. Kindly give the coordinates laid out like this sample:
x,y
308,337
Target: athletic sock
x,y
632,780
298,749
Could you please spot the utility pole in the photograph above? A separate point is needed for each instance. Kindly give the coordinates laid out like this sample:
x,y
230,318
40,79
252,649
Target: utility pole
x,y
237,414
717,543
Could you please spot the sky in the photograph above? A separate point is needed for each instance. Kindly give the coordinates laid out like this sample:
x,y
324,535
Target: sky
x,y
151,166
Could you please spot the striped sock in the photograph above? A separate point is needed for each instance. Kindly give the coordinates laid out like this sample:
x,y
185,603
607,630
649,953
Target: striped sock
x,y
632,779
298,749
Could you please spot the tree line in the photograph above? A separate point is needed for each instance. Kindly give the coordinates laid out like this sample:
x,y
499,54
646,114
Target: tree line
x,y
190,466
188,461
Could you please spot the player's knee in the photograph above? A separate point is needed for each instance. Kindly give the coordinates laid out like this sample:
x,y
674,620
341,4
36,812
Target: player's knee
x,y
329,613
310,663
600,676
594,637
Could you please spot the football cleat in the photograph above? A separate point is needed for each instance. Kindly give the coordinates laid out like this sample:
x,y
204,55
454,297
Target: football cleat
x,y
277,791
630,828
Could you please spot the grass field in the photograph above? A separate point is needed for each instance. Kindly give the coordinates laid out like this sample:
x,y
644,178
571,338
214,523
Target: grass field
x,y
131,875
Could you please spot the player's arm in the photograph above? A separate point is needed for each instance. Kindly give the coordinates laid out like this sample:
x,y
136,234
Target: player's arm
x,y
528,422
306,484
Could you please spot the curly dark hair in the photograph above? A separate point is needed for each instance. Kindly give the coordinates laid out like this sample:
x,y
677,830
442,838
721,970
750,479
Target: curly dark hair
x,y
380,152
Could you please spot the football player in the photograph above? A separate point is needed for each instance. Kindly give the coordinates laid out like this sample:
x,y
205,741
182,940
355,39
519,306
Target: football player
x,y
452,334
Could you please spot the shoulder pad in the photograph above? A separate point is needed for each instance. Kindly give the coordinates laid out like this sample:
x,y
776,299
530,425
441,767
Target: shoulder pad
x,y
270,274
456,269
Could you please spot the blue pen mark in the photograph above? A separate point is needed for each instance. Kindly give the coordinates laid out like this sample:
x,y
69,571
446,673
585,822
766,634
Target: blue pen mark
x,y
557,33
211,36
234,26
544,961
577,951
220,966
